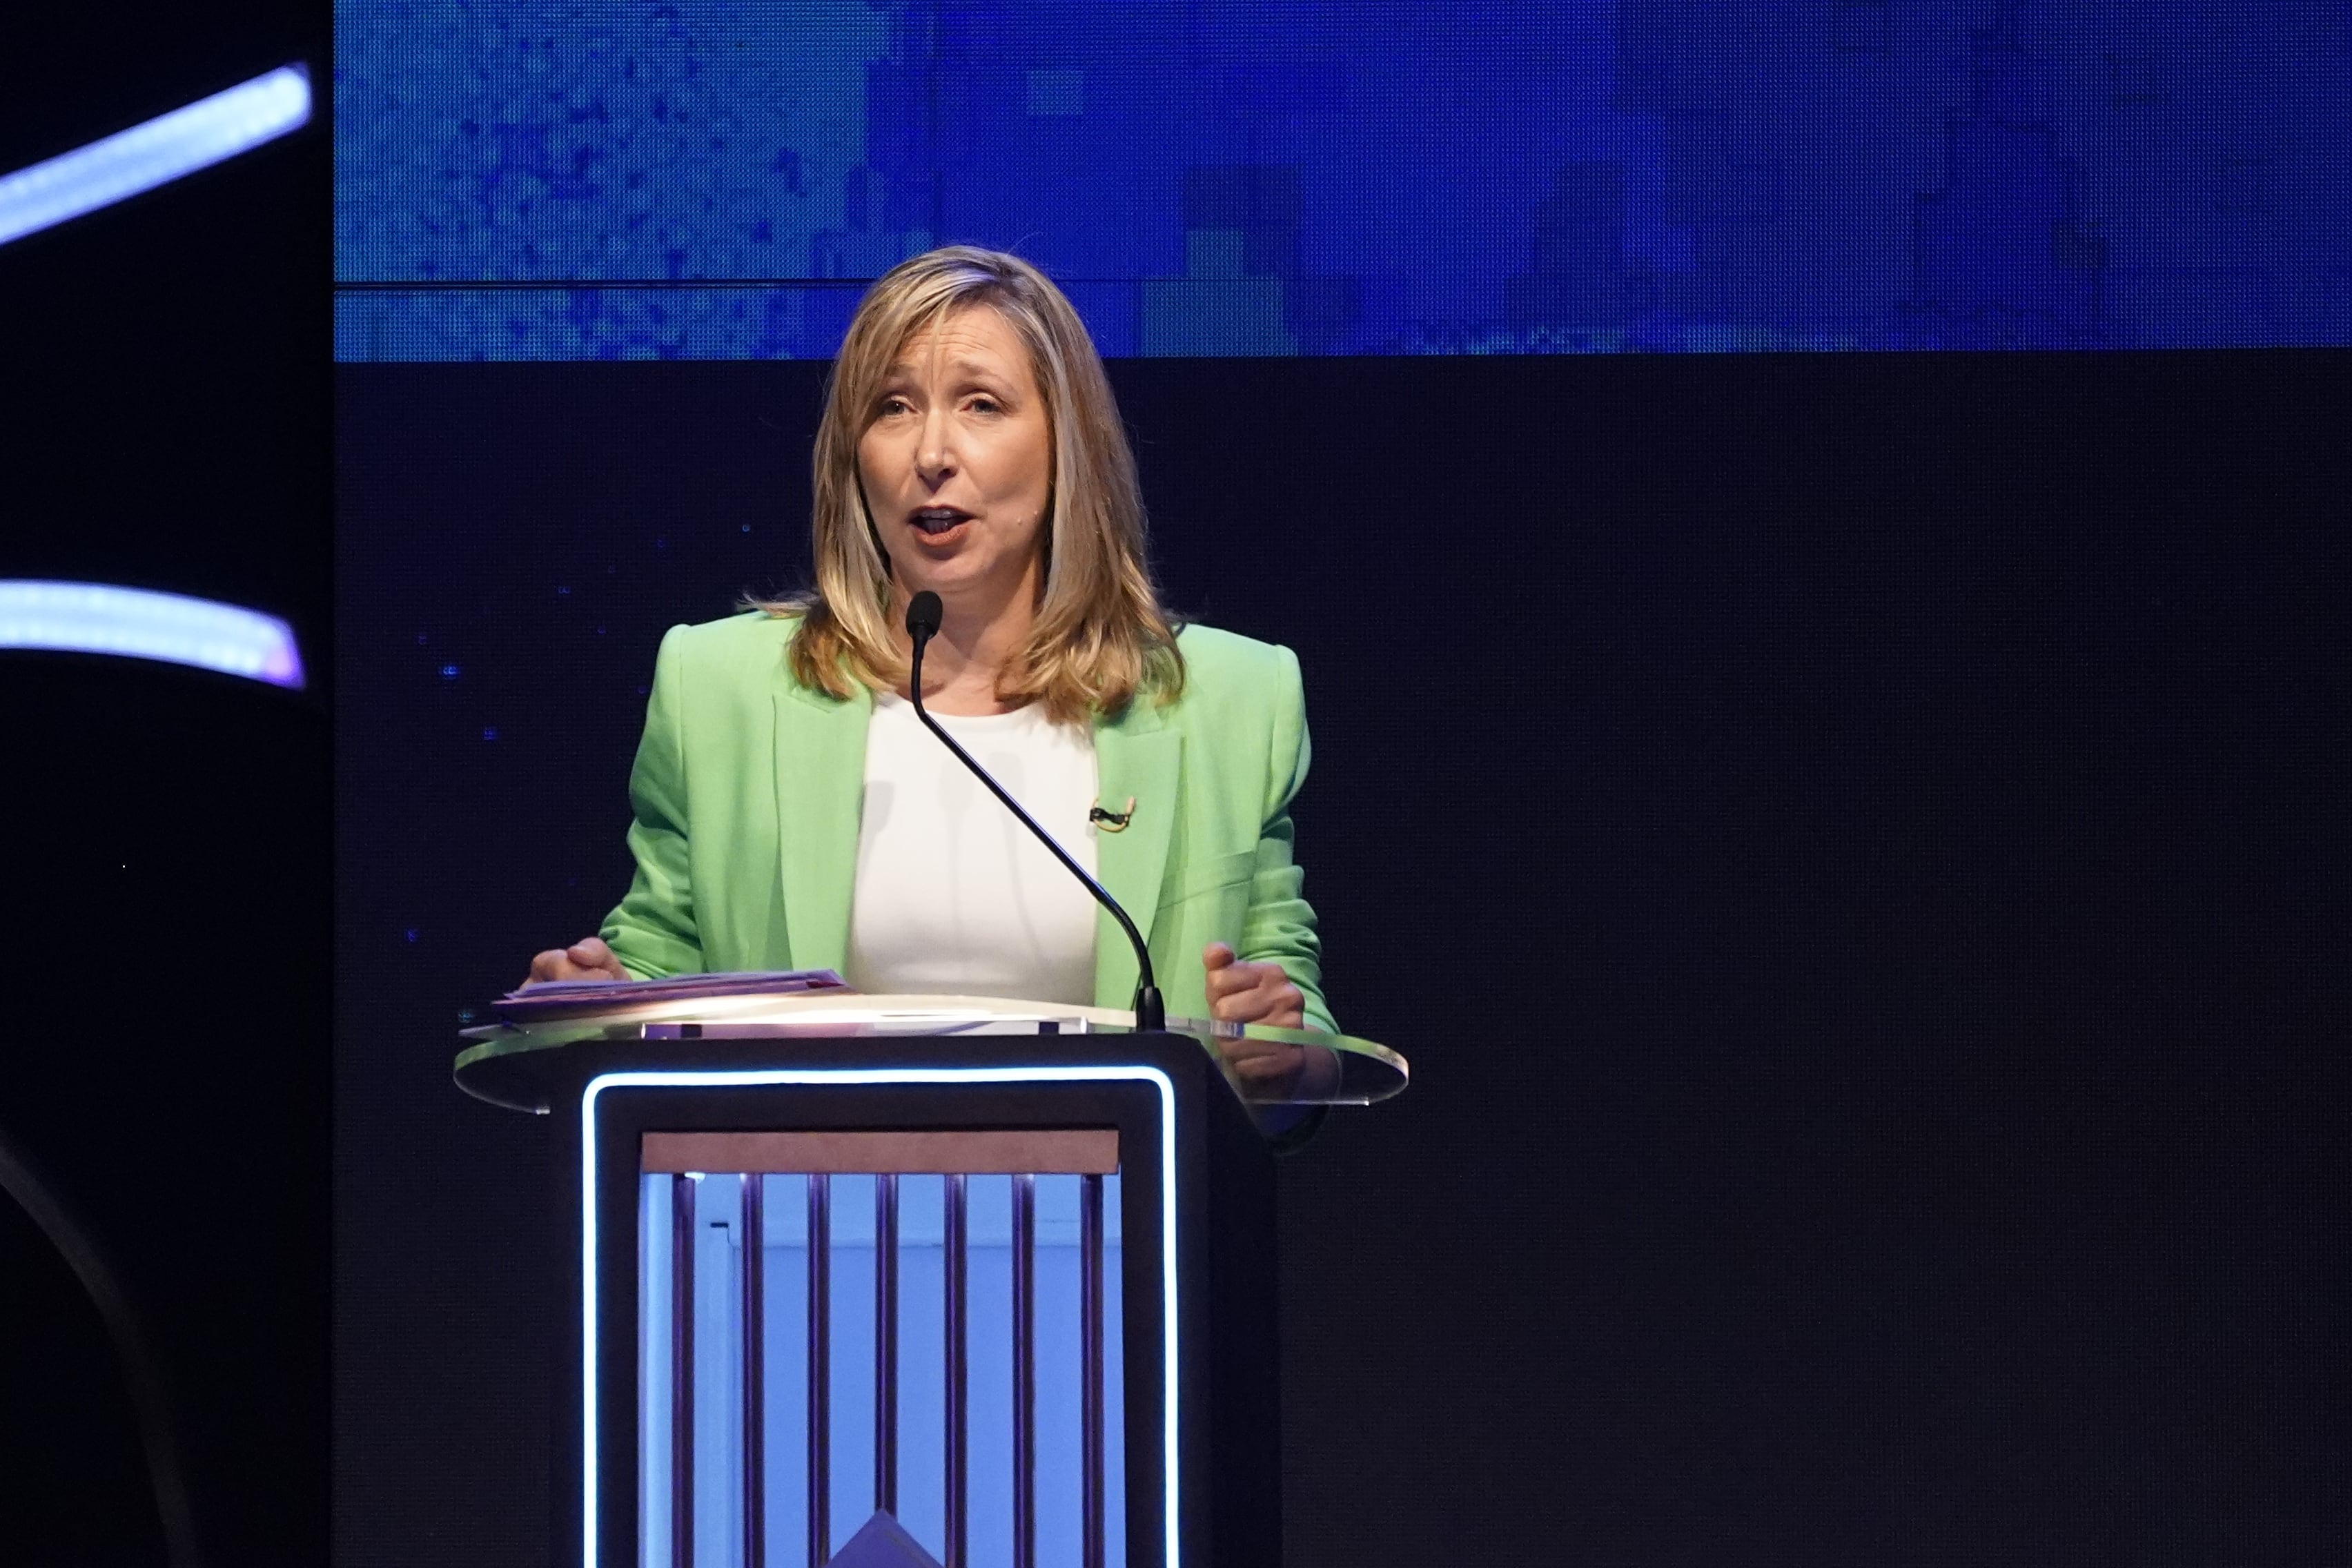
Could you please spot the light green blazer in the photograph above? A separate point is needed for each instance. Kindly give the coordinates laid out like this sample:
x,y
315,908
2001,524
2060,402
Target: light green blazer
x,y
748,786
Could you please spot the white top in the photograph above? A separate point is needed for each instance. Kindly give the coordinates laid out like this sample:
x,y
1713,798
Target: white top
x,y
953,894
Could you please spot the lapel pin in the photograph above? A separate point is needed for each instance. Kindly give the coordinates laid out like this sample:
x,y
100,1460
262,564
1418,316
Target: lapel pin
x,y
1111,821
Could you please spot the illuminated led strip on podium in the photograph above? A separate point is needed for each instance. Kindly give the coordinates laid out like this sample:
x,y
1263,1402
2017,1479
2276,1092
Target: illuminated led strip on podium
x,y
590,1242
135,622
155,153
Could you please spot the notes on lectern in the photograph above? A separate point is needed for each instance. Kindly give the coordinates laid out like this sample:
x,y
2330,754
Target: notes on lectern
x,y
549,1000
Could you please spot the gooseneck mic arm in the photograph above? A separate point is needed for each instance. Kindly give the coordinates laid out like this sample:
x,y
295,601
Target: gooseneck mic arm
x,y
923,615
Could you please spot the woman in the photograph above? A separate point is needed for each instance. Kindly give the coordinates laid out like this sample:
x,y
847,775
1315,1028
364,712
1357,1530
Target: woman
x,y
791,814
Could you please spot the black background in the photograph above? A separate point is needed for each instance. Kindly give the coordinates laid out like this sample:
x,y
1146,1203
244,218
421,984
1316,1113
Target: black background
x,y
1852,846
164,374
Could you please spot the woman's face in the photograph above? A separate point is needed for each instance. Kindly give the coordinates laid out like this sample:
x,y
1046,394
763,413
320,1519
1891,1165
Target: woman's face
x,y
956,464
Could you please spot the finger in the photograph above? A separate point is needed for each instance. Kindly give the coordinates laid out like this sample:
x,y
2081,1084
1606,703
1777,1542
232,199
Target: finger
x,y
1216,956
1240,1049
1244,1004
1279,1063
1232,979
594,958
1238,1003
1273,1001
1269,982
550,967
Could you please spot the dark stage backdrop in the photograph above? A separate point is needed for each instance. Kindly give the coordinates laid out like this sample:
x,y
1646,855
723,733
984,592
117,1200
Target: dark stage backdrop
x,y
165,832
1854,845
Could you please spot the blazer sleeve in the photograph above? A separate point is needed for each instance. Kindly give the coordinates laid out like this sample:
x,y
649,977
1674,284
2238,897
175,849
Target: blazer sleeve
x,y
652,930
1280,925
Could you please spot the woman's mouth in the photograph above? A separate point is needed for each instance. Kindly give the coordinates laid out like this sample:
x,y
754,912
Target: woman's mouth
x,y
938,522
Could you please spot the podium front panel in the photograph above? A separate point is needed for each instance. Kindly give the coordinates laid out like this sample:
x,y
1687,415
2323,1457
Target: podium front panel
x,y
757,1306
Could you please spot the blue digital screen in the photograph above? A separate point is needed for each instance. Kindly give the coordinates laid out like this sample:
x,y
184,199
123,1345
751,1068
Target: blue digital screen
x,y
702,179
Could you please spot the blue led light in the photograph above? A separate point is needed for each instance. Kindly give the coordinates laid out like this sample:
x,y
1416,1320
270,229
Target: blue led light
x,y
728,1077
153,153
134,623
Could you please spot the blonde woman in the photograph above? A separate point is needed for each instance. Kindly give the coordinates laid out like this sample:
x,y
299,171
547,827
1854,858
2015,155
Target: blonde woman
x,y
791,814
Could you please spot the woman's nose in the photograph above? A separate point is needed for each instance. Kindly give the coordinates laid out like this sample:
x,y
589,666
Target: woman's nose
x,y
935,451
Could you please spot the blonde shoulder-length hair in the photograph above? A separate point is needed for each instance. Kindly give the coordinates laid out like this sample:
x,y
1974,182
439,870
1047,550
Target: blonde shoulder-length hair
x,y
1101,637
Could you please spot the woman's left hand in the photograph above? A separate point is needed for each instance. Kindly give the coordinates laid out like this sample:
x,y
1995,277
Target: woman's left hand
x,y
1258,994
1251,992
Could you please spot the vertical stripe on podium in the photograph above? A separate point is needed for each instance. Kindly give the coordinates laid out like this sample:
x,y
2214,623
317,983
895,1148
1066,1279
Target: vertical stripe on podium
x,y
886,1345
957,1418
1090,1370
682,1370
1026,1405
755,1381
1024,1372
820,1368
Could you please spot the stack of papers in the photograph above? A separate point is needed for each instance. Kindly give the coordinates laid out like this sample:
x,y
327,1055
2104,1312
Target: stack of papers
x,y
552,999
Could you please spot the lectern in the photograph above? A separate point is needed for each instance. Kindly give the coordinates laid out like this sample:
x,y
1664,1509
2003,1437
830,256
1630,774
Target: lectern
x,y
906,1280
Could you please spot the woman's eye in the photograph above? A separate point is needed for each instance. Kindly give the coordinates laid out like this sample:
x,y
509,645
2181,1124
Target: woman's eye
x,y
984,405
894,405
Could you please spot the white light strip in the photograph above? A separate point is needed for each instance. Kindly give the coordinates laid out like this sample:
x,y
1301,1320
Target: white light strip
x,y
717,1077
155,153
134,623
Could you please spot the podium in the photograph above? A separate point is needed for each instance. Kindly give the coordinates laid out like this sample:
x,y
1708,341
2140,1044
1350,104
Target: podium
x,y
906,1280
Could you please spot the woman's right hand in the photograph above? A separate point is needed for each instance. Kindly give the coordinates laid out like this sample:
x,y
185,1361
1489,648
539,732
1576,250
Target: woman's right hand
x,y
587,959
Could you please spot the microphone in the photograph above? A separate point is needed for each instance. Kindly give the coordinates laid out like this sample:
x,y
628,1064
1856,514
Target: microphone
x,y
923,615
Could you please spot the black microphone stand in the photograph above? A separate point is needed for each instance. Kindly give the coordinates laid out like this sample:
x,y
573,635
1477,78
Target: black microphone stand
x,y
922,625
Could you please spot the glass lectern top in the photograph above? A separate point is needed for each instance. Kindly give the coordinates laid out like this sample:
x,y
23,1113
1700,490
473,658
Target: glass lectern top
x,y
505,1064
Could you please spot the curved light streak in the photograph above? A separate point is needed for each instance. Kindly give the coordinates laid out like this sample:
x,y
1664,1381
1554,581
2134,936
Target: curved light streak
x,y
153,153
137,622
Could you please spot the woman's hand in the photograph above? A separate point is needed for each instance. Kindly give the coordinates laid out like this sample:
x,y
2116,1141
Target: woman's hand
x,y
1256,994
1251,992
587,959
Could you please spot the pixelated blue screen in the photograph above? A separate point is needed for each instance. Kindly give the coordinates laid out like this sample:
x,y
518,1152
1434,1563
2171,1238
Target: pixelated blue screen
x,y
715,178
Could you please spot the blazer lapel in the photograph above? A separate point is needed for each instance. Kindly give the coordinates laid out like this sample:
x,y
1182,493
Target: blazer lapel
x,y
820,788
1136,755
